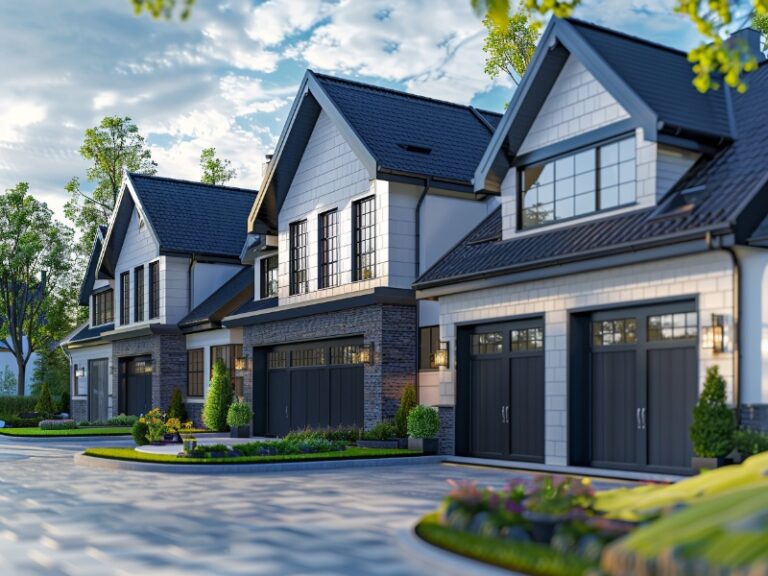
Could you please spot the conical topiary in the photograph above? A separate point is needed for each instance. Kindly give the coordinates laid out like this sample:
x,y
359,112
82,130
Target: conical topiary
x,y
45,406
219,398
713,422
407,403
177,409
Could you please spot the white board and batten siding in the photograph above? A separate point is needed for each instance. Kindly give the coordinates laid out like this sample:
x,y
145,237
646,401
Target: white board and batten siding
x,y
138,249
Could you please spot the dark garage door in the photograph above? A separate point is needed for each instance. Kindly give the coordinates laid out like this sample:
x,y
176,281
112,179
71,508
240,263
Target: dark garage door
x,y
317,384
135,394
501,391
643,387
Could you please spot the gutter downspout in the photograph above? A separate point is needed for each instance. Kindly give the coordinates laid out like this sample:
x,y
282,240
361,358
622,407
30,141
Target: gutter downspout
x,y
190,292
736,319
422,196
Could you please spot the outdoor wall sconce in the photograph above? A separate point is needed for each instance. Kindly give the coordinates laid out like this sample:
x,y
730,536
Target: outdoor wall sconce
x,y
365,354
440,356
714,335
242,364
80,372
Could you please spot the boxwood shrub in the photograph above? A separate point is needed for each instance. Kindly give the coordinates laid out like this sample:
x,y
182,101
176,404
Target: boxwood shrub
x,y
423,422
139,432
384,430
57,425
348,434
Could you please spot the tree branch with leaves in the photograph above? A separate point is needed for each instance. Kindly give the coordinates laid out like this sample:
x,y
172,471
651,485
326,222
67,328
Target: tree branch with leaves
x,y
215,170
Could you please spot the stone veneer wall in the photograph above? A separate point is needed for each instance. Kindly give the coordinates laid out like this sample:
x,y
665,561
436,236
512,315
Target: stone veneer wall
x,y
391,329
195,413
78,409
755,416
447,435
169,364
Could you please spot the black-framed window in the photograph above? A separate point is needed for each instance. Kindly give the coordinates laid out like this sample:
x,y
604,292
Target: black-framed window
x,y
269,277
489,343
573,185
125,298
364,241
429,342
154,290
526,339
299,273
138,294
103,307
677,326
229,353
328,226
195,372
614,332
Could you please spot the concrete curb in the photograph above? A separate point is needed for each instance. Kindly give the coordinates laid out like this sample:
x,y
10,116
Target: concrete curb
x,y
428,559
112,437
81,459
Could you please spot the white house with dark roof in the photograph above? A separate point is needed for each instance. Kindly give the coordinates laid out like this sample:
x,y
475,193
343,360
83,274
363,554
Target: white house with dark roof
x,y
626,257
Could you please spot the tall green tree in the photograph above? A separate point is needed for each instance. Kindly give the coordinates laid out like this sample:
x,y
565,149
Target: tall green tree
x,y
111,146
52,367
215,170
510,44
35,260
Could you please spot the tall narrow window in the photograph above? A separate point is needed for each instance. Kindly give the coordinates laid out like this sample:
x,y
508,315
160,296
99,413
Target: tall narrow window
x,y
138,294
229,353
329,249
269,277
195,372
154,290
429,342
364,212
125,298
299,281
103,304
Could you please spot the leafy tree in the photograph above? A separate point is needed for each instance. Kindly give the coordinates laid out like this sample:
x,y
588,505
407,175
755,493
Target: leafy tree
x,y
510,44
51,366
177,409
111,146
215,170
407,403
35,260
45,406
8,383
163,8
219,398
713,422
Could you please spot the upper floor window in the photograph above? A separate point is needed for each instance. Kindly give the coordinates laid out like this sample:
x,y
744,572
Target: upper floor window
x,y
299,273
364,213
138,294
154,290
596,179
329,249
103,308
269,277
125,298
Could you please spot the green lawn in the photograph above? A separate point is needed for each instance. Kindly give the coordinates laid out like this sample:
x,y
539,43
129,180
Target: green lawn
x,y
94,431
349,453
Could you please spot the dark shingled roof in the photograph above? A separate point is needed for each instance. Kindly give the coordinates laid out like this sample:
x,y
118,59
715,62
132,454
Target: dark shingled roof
x,y
389,120
733,195
223,300
88,333
255,306
190,217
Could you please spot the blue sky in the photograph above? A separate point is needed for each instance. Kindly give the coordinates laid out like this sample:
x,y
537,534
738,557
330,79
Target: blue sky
x,y
227,76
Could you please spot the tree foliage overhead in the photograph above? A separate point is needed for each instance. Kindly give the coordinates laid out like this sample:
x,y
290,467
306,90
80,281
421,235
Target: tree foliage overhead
x,y
215,170
111,146
510,44
164,8
35,262
713,59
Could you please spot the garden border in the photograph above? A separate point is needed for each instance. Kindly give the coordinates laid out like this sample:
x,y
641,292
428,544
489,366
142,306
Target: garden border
x,y
81,459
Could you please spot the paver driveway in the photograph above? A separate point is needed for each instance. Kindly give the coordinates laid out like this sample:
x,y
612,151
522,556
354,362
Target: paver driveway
x,y
57,518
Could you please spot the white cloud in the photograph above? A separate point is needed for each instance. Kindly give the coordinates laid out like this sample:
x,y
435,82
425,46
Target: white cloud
x,y
104,99
271,22
17,116
249,96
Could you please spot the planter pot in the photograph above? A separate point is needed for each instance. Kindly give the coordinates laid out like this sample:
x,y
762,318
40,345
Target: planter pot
x,y
542,526
379,444
701,463
240,431
425,445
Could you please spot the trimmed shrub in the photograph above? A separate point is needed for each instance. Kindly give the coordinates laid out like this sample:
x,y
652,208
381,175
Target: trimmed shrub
x,y
280,447
57,425
346,434
64,402
219,398
239,414
177,408
385,430
15,405
423,422
122,420
45,406
92,423
17,422
407,403
139,432
713,422
750,442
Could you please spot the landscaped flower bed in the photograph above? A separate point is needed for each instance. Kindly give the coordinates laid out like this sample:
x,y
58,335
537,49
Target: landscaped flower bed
x,y
87,431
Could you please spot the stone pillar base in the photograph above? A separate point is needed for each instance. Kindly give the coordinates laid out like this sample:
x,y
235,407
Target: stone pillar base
x,y
447,434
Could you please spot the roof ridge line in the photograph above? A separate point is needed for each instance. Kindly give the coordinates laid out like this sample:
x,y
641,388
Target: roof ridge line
x,y
625,35
195,183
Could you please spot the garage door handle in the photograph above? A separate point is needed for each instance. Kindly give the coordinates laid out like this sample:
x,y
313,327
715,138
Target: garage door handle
x,y
637,418
642,418
503,419
507,413
286,411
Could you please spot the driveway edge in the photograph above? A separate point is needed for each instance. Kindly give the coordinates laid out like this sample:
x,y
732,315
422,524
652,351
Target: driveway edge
x,y
81,459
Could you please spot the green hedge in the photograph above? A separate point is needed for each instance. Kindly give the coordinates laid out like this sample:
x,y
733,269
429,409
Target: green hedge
x,y
15,405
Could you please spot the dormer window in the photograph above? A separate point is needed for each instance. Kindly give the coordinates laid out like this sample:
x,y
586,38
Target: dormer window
x,y
103,311
580,183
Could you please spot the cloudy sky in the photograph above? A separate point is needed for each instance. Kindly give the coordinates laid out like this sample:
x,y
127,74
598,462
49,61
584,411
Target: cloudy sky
x,y
226,77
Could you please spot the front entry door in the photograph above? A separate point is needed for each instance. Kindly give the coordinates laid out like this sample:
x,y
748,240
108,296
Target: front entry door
x,y
135,385
98,389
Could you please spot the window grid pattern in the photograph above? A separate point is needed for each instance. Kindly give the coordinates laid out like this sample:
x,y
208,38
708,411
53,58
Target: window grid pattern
x,y
614,332
277,359
269,282
490,343
673,326
125,298
345,354
429,342
526,340
228,353
195,372
103,308
299,279
154,287
308,357
365,238
329,249
138,296
594,179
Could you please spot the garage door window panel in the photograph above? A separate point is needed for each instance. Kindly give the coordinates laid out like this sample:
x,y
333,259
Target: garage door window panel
x,y
489,343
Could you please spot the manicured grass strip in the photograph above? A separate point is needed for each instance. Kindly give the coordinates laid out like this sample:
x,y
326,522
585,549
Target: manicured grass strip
x,y
525,557
95,431
348,454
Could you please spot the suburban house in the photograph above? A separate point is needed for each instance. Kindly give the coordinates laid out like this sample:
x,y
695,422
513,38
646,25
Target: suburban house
x,y
160,277
367,188
626,257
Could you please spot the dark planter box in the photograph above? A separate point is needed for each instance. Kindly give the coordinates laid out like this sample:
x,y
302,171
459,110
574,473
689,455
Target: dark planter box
x,y
425,445
542,526
240,431
701,463
379,444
